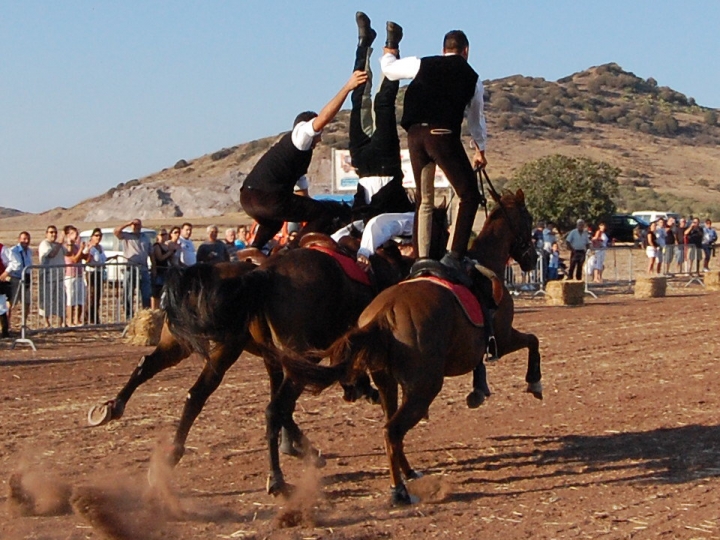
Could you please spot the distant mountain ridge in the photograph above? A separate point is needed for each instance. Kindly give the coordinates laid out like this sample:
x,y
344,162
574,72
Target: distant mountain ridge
x,y
656,136
10,212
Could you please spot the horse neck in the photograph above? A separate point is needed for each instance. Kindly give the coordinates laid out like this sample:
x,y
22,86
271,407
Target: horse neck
x,y
492,246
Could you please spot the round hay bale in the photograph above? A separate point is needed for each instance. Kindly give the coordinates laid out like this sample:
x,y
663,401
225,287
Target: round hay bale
x,y
144,329
712,280
565,293
650,287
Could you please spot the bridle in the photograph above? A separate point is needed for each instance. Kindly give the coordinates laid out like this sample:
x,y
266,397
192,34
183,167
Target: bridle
x,y
520,244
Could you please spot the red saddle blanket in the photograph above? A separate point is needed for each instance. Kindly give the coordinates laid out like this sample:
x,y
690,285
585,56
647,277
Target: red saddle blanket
x,y
348,264
465,298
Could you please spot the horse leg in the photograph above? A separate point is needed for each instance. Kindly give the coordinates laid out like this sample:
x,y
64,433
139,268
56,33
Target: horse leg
x,y
278,414
168,353
515,342
481,390
221,358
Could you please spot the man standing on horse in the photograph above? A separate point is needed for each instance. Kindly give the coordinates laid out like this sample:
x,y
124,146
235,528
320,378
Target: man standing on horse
x,y
267,193
444,89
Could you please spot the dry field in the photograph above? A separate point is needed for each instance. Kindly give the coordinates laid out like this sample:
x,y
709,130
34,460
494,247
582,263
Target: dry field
x,y
626,443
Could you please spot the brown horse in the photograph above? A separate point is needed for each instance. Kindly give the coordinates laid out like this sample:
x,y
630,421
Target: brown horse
x,y
416,333
300,299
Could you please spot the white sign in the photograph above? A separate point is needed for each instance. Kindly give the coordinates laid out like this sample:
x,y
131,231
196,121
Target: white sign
x,y
345,178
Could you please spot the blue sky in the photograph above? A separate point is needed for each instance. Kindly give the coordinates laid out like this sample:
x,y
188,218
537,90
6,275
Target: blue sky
x,y
93,93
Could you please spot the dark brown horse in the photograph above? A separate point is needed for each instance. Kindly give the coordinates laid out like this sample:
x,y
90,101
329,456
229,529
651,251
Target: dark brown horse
x,y
416,333
300,299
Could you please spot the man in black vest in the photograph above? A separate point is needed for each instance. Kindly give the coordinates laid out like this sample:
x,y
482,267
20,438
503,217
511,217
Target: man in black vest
x,y
267,193
375,147
444,90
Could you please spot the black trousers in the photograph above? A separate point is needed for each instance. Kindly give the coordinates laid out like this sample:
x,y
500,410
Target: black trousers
x,y
272,208
577,259
444,148
375,147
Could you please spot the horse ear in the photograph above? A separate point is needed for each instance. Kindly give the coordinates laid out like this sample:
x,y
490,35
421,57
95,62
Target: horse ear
x,y
520,196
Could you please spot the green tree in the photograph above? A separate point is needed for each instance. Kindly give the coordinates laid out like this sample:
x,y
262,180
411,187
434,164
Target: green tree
x,y
564,189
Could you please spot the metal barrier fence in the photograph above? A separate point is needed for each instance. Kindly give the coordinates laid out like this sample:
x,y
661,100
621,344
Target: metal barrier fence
x,y
533,282
57,298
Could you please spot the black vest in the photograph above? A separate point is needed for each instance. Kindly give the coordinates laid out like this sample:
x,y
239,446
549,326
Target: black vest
x,y
439,93
280,168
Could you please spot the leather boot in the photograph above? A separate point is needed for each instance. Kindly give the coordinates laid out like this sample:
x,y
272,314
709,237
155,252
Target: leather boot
x,y
366,35
394,35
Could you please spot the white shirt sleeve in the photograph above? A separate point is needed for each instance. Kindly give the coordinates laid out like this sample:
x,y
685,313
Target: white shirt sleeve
x,y
14,264
396,69
476,116
382,228
303,135
302,183
5,255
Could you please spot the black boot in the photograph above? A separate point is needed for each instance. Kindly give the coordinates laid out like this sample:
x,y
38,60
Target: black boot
x,y
455,268
394,35
366,35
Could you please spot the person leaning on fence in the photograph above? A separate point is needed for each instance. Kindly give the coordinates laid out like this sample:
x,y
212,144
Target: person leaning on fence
x,y
577,241
51,253
95,260
136,249
708,243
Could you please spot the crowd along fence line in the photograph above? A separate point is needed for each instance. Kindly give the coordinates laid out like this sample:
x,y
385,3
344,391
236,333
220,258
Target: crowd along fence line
x,y
57,298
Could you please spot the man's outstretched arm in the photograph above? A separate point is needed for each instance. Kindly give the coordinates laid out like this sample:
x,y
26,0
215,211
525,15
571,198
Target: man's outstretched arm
x,y
329,111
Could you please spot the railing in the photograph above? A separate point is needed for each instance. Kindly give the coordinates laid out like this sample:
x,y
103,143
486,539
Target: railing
x,y
532,282
57,298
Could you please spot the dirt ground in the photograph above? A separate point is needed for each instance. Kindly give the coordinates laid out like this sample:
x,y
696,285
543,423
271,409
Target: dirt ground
x,y
626,443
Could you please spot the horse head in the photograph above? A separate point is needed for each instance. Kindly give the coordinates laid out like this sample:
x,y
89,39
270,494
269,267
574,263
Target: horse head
x,y
509,220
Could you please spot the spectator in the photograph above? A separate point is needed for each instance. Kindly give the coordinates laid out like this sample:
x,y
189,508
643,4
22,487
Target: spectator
x,y
95,258
74,283
230,238
187,248
693,239
652,247
4,290
136,249
709,237
51,291
537,235
241,239
212,251
161,257
681,241
19,258
577,241
175,239
671,240
600,242
660,236
553,262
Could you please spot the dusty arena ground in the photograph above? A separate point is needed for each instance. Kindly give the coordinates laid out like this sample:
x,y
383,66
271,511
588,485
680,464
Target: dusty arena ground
x,y
626,443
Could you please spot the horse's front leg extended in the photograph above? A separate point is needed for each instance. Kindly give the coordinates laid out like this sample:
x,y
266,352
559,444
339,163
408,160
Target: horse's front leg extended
x,y
221,358
168,353
481,390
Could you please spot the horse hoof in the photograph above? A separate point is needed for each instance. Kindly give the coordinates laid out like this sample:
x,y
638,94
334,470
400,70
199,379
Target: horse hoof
x,y
100,414
399,496
474,399
535,389
318,460
413,475
278,487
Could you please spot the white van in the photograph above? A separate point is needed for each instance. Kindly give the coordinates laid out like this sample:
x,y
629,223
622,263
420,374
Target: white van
x,y
649,216
113,249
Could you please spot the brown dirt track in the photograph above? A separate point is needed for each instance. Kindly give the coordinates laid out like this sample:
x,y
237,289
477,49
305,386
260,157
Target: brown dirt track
x,y
626,443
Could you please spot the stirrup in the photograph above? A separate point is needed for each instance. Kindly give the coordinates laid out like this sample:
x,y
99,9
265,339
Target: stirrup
x,y
491,352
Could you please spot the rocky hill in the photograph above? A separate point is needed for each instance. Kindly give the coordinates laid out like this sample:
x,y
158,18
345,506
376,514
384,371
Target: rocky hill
x,y
9,212
660,139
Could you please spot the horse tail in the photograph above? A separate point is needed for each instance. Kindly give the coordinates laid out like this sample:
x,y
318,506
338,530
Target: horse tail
x,y
350,356
202,307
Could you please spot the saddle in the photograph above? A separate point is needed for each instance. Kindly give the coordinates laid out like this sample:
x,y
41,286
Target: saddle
x,y
325,244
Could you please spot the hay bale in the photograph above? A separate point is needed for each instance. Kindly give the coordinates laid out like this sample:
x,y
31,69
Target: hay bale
x,y
712,280
650,287
144,329
565,293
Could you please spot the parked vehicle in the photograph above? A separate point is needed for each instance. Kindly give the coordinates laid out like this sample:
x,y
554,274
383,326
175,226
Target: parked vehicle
x,y
649,216
113,250
626,227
